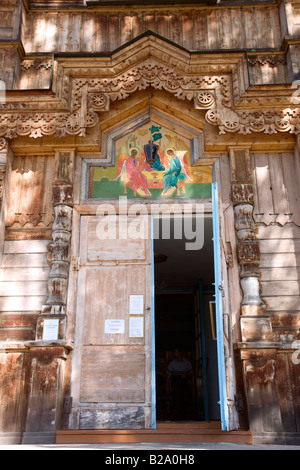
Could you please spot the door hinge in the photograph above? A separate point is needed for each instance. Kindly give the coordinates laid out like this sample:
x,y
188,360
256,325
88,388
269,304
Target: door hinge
x,y
75,263
239,403
67,405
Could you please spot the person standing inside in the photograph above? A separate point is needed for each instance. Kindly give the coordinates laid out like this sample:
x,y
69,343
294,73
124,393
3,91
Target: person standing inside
x,y
179,373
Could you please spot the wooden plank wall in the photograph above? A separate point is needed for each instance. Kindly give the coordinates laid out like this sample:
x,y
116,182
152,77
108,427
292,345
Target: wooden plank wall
x,y
277,188
267,70
23,288
30,211
10,19
25,270
9,67
277,216
280,278
195,29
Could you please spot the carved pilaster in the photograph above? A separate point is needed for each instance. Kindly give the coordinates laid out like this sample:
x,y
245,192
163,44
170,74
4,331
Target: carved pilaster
x,y
46,365
59,249
257,349
262,397
255,322
248,245
3,161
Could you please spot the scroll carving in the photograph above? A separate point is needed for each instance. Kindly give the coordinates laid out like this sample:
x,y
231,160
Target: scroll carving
x,y
37,125
82,91
246,122
3,144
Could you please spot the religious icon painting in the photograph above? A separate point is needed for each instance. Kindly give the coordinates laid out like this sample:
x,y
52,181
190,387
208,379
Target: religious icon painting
x,y
151,162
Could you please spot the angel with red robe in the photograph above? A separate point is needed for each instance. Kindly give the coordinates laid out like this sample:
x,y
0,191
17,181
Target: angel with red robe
x,y
133,168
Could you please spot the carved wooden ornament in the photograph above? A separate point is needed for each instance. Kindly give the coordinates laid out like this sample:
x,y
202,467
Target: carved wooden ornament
x,y
83,89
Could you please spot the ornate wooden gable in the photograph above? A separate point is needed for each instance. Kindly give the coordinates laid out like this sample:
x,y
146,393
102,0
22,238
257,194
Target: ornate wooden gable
x,y
83,87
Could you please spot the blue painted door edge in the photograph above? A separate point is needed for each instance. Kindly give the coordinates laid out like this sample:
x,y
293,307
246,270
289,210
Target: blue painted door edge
x,y
219,310
153,352
203,350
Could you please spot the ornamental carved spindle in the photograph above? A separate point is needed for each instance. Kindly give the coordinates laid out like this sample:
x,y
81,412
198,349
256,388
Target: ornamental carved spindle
x,y
5,157
59,250
3,161
255,322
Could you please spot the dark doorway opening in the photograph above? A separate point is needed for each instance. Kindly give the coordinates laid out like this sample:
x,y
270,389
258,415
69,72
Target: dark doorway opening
x,y
184,313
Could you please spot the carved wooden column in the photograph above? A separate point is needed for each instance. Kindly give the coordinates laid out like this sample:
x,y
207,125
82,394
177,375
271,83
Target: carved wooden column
x,y
49,352
4,161
3,158
255,322
59,249
257,350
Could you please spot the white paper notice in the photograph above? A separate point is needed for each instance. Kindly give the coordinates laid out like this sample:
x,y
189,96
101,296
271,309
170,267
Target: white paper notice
x,y
50,331
113,326
136,327
136,306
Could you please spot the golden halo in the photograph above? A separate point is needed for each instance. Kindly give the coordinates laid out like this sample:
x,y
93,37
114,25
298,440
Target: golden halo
x,y
170,148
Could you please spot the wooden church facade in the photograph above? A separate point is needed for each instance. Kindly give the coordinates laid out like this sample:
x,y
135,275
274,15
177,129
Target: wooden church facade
x,y
81,84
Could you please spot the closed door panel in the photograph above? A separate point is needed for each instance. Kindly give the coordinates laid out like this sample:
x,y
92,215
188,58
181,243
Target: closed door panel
x,y
108,292
112,377
111,380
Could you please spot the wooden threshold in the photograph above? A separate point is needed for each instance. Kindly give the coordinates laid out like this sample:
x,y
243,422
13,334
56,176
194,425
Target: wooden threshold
x,y
166,432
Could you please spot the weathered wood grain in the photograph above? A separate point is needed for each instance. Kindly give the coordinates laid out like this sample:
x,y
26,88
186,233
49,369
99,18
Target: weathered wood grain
x,y
279,246
247,27
24,260
112,378
107,297
22,304
282,274
21,246
23,288
30,198
282,303
24,276
280,260
117,243
277,232
276,181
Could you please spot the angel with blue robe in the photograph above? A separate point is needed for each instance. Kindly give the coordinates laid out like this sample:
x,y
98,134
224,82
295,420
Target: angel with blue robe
x,y
177,172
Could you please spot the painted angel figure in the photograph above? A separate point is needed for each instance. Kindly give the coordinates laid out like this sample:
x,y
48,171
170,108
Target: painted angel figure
x,y
177,172
131,168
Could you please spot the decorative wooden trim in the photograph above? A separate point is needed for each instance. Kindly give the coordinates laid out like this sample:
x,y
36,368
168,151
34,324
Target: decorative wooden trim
x,y
85,87
249,121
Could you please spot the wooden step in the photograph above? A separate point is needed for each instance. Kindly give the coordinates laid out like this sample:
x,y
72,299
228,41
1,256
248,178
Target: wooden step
x,y
165,433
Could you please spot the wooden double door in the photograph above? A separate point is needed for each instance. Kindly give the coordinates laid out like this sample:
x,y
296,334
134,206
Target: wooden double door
x,y
112,371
